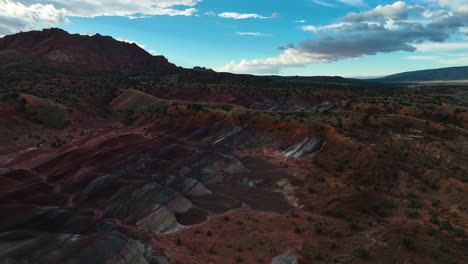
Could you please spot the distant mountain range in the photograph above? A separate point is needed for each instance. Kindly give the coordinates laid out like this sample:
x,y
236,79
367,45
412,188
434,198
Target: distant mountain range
x,y
442,74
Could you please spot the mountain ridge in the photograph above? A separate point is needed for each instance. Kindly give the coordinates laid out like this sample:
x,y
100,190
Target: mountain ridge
x,y
439,74
57,48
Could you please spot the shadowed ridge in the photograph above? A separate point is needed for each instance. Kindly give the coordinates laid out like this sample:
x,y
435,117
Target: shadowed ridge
x,y
57,48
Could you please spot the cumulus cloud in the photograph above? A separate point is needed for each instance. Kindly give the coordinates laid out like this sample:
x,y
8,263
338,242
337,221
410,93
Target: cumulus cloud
x,y
396,11
93,8
383,29
457,5
19,15
342,28
15,16
254,34
235,15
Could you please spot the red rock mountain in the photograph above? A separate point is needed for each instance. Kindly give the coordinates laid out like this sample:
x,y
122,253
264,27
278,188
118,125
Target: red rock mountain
x,y
57,48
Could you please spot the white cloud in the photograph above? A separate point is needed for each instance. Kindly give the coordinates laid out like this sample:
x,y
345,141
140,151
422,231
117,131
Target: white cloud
x,y
19,15
301,21
383,29
456,61
353,2
319,2
289,58
396,11
441,46
235,15
130,42
347,2
456,5
93,8
367,75
421,57
321,30
254,34
16,16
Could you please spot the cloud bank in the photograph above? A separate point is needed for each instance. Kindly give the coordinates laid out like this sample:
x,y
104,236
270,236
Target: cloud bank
x,y
384,29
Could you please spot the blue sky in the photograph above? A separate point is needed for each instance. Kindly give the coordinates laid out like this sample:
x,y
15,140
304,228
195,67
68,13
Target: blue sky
x,y
352,38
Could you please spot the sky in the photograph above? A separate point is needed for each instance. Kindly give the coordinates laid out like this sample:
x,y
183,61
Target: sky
x,y
350,38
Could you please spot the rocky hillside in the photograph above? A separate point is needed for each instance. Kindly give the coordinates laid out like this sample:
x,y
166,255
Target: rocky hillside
x,y
58,48
198,167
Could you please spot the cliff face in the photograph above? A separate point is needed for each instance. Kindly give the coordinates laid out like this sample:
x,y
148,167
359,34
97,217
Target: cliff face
x,y
57,48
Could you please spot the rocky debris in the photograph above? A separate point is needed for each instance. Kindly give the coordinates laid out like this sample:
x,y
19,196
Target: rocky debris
x,y
286,258
306,147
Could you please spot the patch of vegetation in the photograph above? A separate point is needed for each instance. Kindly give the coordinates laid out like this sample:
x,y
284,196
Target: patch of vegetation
x,y
361,252
408,243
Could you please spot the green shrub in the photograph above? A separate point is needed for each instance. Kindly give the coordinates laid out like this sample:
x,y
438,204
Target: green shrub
x,y
297,230
408,243
361,252
460,232
445,225
318,256
239,259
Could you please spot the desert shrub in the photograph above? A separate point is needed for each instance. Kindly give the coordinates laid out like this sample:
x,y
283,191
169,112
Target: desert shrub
x,y
431,231
338,235
415,204
443,248
318,229
297,230
366,120
460,232
445,225
412,214
361,252
318,256
408,243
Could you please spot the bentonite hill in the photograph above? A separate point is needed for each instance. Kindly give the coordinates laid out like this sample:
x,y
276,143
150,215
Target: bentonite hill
x,y
111,155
